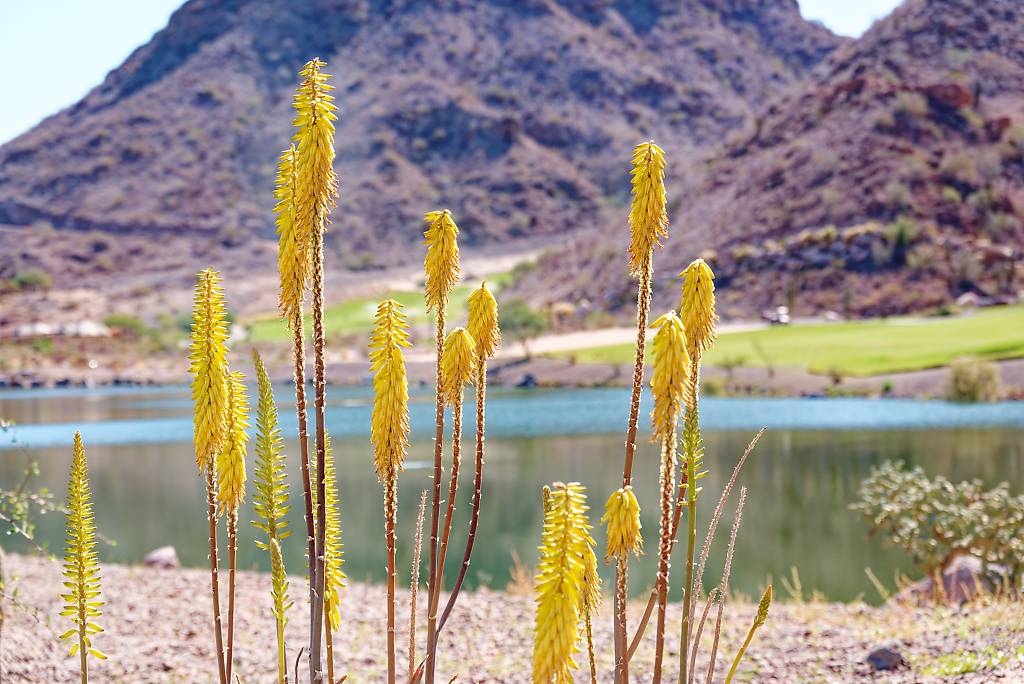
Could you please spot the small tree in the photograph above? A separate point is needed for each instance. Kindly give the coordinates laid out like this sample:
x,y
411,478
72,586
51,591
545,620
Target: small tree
x,y
520,323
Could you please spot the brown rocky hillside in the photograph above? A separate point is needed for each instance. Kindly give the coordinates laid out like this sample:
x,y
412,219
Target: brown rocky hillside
x,y
892,180
516,114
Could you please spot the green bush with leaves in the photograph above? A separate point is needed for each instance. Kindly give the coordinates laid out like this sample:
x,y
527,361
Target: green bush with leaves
x,y
935,520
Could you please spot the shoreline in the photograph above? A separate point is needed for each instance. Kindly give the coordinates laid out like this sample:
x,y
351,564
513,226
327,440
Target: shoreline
x,y
157,630
551,372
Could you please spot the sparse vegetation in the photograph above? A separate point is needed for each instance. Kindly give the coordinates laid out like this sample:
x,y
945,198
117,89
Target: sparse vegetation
x,y
973,380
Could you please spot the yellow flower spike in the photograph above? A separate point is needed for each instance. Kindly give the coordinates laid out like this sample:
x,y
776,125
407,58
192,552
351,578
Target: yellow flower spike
x,y
271,498
648,218
81,569
316,183
231,457
671,364
292,255
622,518
483,321
389,423
442,261
762,617
698,306
209,366
560,583
458,364
334,576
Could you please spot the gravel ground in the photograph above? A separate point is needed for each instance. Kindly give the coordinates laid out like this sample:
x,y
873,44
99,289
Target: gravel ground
x,y
157,630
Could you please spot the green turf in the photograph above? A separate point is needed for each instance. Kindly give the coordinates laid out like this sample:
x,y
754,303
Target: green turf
x,y
861,348
355,316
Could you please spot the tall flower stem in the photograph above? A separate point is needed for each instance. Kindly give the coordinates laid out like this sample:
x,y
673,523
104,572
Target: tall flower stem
x,y
474,520
299,357
453,487
390,514
414,584
232,553
433,579
211,515
320,387
691,441
668,468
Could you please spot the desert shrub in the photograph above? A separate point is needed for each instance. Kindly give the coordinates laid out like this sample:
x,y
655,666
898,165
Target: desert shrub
x,y
31,279
935,520
973,380
125,324
521,323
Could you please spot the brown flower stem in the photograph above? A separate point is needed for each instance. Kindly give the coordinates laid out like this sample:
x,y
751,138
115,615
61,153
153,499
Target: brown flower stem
x,y
691,432
588,621
453,487
232,552
712,599
478,478
433,580
621,579
320,386
643,305
414,583
390,515
211,515
668,470
299,354
653,600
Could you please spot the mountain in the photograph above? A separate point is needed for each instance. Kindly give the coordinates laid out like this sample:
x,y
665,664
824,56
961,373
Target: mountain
x,y
519,115
890,180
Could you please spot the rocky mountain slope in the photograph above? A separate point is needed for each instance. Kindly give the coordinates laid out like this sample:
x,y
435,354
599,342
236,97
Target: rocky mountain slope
x,y
891,180
517,115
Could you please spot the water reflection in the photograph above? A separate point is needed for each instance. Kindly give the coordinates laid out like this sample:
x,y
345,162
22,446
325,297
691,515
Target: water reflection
x,y
800,480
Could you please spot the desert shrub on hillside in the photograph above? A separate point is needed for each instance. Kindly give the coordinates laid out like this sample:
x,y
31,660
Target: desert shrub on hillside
x,y
973,380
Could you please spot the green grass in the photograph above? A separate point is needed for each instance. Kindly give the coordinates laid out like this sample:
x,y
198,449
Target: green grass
x,y
355,316
861,348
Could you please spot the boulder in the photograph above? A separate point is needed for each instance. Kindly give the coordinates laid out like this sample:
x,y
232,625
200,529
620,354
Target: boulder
x,y
165,557
886,658
961,582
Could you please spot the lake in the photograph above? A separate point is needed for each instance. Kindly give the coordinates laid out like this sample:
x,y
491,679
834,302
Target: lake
x,y
801,478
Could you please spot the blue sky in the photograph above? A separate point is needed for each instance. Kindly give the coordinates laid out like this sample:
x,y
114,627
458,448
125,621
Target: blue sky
x,y
54,51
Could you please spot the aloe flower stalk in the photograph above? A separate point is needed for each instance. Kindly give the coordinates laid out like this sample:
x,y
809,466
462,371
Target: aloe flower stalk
x,y
209,368
697,312
648,224
441,266
389,433
458,367
316,191
483,328
81,569
414,583
671,364
231,490
561,584
281,605
762,617
334,576
271,500
590,602
622,520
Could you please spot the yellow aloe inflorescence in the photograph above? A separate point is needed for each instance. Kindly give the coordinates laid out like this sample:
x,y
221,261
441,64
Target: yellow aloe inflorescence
x,y
442,261
698,306
561,584
334,576
622,518
209,367
648,218
671,364
281,605
271,498
316,183
231,457
458,364
81,569
389,423
292,256
483,321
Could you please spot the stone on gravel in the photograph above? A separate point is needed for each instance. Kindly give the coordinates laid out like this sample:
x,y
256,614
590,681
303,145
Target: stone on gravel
x,y
165,557
886,658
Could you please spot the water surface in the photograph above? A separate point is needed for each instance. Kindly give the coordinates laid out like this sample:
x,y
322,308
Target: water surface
x,y
801,478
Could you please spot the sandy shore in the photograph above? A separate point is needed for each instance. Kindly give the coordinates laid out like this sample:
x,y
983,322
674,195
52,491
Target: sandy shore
x,y
158,630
